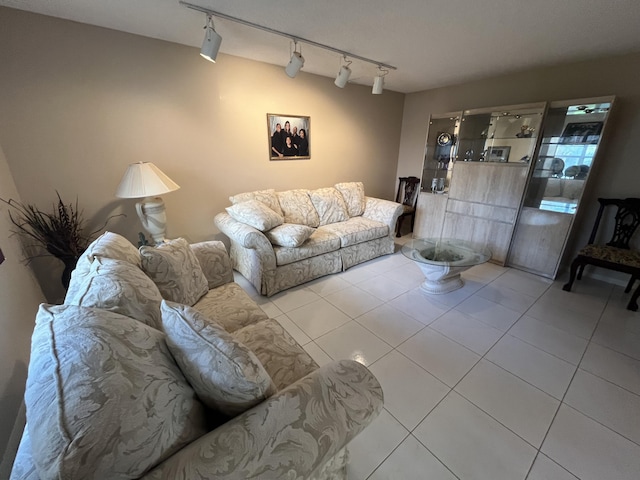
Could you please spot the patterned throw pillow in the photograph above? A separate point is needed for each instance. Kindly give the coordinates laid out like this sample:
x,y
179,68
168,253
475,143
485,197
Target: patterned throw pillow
x,y
353,194
268,197
255,214
289,234
225,374
330,205
174,268
105,398
297,208
117,286
108,245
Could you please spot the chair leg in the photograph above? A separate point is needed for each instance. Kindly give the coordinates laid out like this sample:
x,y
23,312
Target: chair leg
x,y
630,284
633,303
580,272
572,276
399,226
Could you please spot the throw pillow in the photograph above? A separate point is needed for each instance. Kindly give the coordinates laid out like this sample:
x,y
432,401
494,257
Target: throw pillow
x,y
225,374
108,245
255,214
297,208
174,268
353,194
289,234
330,205
105,398
117,286
268,197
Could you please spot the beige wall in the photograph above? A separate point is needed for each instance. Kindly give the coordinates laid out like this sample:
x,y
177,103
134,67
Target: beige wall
x,y
79,103
618,171
20,295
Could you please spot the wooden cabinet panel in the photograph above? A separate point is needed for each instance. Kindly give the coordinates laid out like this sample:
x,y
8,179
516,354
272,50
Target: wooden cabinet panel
x,y
490,183
495,235
429,215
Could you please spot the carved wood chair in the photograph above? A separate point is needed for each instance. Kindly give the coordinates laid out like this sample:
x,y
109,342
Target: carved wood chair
x,y
407,195
615,255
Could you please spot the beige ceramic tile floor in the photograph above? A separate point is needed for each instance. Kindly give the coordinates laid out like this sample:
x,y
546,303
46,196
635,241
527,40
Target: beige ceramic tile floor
x,y
507,378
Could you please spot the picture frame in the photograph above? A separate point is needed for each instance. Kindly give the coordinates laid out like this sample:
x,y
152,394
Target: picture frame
x,y
289,137
584,132
498,154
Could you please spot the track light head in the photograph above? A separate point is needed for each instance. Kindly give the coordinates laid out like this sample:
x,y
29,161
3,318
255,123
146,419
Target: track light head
x,y
378,85
378,82
343,75
211,43
295,64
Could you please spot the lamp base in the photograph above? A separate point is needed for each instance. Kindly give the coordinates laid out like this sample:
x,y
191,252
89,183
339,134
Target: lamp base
x,y
153,217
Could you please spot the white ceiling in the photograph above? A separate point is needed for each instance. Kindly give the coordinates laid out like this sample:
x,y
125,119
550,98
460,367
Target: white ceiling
x,y
431,42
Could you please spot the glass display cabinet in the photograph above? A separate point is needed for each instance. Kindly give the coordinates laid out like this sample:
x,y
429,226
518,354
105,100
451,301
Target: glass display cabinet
x,y
571,135
510,178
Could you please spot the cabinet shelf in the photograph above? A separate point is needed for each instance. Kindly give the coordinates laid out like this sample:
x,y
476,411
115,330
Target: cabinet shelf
x,y
495,138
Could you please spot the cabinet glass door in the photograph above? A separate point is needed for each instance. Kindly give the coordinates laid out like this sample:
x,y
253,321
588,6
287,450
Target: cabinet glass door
x,y
571,135
439,152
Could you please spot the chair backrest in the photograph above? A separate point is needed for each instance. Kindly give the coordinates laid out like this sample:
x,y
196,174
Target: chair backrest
x,y
627,220
408,191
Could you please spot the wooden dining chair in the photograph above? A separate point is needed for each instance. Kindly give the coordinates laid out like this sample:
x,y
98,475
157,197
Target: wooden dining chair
x,y
408,189
616,254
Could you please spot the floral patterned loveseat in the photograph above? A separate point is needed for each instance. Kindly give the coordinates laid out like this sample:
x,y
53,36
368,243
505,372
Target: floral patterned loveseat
x,y
283,239
159,366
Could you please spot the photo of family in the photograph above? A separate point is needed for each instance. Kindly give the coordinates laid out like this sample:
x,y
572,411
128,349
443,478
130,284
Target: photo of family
x,y
288,137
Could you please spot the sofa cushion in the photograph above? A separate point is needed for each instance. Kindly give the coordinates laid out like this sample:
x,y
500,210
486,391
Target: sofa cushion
x,y
284,359
117,286
329,204
230,306
321,241
357,230
225,374
268,197
289,234
105,398
109,245
255,214
175,270
215,262
297,208
353,194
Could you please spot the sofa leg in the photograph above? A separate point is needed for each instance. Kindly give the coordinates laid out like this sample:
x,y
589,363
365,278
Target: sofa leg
x,y
399,226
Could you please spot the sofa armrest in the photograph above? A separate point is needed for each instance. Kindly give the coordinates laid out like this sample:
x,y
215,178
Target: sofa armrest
x,y
247,237
290,435
383,211
214,261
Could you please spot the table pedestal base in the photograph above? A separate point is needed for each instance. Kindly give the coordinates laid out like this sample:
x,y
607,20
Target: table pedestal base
x,y
441,279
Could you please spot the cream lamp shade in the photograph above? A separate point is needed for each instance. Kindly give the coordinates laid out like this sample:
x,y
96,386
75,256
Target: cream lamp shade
x,y
145,180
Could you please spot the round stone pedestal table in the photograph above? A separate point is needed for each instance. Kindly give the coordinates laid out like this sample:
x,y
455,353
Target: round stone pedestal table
x,y
442,260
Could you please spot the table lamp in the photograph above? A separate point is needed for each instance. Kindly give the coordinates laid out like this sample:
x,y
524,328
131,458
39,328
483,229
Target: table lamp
x,y
145,180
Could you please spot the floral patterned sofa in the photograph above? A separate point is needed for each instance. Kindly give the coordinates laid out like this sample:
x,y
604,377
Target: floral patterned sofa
x,y
159,366
283,239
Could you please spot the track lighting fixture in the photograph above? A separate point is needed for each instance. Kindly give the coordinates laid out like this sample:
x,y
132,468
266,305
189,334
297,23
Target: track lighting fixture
x,y
343,75
378,82
211,42
296,62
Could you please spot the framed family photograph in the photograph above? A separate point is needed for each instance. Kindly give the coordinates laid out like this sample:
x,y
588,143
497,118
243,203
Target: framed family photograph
x,y
498,154
289,137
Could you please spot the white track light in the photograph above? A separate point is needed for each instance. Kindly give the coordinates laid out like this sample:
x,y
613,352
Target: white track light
x,y
343,75
378,82
211,43
296,62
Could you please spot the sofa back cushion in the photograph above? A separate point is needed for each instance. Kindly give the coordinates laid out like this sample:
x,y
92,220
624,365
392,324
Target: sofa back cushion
x,y
225,374
109,245
174,268
255,214
268,197
297,208
104,397
117,286
353,195
329,204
